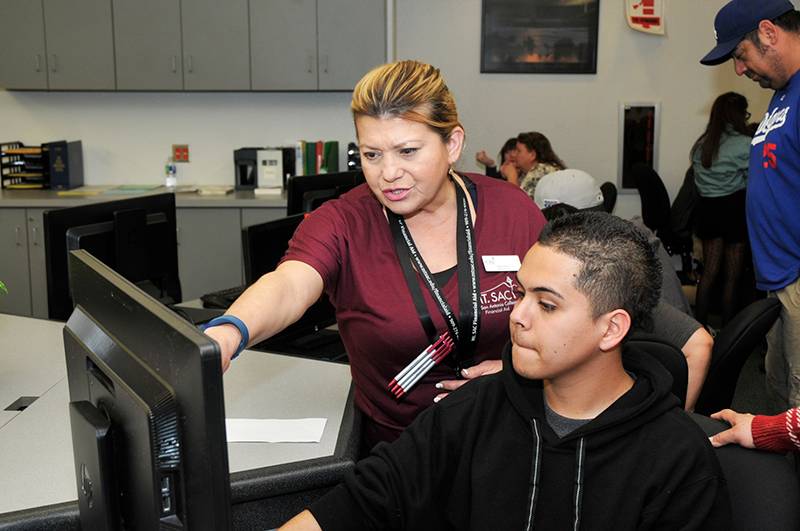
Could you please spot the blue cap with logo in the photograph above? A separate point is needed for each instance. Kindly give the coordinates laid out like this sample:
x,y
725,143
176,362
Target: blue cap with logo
x,y
736,19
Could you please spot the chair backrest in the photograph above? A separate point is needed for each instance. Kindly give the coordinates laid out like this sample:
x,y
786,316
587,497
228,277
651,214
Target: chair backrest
x,y
609,190
733,344
762,486
654,197
669,356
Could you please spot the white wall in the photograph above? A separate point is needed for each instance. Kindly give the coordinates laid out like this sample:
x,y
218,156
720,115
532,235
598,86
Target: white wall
x,y
579,113
127,136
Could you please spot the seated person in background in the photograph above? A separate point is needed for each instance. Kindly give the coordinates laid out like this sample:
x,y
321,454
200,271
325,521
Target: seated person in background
x,y
686,333
573,187
776,433
508,158
535,158
575,429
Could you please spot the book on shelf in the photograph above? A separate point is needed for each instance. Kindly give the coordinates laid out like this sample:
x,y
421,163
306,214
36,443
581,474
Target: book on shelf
x,y
330,157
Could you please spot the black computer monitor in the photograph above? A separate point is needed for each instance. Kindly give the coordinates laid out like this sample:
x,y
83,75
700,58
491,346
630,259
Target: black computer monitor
x,y
264,245
135,236
146,409
304,193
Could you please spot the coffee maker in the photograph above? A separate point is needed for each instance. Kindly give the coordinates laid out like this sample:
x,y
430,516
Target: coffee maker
x,y
245,162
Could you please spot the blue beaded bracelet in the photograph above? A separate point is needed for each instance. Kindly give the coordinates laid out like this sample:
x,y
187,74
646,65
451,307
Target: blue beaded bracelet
x,y
238,323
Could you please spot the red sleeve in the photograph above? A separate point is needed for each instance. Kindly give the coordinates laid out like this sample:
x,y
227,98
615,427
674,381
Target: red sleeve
x,y
778,433
318,242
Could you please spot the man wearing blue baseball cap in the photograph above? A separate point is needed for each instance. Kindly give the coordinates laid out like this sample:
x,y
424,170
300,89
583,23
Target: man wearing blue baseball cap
x,y
763,38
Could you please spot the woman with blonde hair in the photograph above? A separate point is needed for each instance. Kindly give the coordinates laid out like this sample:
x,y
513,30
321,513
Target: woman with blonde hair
x,y
418,261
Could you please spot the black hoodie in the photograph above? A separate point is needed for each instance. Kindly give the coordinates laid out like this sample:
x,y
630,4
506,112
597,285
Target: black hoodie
x,y
485,458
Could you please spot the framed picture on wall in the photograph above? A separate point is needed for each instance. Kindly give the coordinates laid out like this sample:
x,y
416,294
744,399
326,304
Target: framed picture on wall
x,y
638,140
539,36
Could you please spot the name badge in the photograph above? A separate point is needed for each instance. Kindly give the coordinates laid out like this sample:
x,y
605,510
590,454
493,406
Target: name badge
x,y
501,263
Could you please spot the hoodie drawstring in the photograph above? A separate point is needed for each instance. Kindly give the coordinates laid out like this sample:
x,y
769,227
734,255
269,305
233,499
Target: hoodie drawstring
x,y
578,500
533,489
533,482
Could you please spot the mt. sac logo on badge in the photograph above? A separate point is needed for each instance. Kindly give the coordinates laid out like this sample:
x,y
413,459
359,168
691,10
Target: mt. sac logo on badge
x,y
500,298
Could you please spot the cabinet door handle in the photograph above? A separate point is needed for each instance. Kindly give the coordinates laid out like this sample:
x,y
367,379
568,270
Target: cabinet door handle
x,y
38,62
309,62
54,65
17,231
174,64
190,64
325,63
35,238
178,236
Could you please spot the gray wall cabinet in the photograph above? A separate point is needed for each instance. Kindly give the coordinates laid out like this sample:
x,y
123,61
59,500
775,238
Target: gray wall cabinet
x,y
23,57
283,36
80,44
147,39
236,45
352,40
315,44
216,44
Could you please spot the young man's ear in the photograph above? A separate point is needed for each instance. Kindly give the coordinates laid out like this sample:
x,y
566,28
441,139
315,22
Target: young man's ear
x,y
617,323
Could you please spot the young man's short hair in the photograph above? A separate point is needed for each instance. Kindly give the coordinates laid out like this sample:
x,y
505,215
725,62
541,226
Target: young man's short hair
x,y
620,269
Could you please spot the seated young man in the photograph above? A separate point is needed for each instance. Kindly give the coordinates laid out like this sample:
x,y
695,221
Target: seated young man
x,y
576,432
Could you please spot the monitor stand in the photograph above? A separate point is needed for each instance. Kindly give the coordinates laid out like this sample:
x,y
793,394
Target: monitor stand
x,y
94,466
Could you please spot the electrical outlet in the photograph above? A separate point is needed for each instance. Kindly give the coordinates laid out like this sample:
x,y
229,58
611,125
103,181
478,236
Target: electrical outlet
x,y
180,152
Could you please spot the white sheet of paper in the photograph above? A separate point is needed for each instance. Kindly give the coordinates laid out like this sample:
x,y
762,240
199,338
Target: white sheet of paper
x,y
274,430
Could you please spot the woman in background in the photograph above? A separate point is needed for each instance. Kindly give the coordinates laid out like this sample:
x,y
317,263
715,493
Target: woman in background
x,y
400,257
720,159
508,158
535,159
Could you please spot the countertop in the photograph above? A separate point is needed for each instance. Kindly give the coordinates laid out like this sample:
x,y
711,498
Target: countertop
x,y
51,199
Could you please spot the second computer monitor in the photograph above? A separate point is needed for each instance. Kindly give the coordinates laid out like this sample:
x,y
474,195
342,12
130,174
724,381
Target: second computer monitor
x,y
304,193
136,237
264,245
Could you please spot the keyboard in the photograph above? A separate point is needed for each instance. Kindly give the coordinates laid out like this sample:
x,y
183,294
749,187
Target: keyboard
x,y
323,345
222,298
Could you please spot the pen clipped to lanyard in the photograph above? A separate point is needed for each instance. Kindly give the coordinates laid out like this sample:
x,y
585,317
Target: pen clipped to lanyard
x,y
427,359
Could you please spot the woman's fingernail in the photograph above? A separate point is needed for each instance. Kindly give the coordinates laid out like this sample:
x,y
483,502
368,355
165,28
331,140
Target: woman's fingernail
x,y
436,399
464,373
439,385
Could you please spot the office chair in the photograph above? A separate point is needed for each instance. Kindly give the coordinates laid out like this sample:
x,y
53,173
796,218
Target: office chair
x,y
669,356
656,214
762,486
733,344
609,190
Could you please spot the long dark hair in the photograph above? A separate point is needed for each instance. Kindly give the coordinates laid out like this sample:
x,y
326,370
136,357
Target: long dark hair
x,y
541,145
729,111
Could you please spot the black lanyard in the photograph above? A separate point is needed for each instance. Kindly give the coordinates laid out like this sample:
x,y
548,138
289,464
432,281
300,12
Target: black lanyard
x,y
463,330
